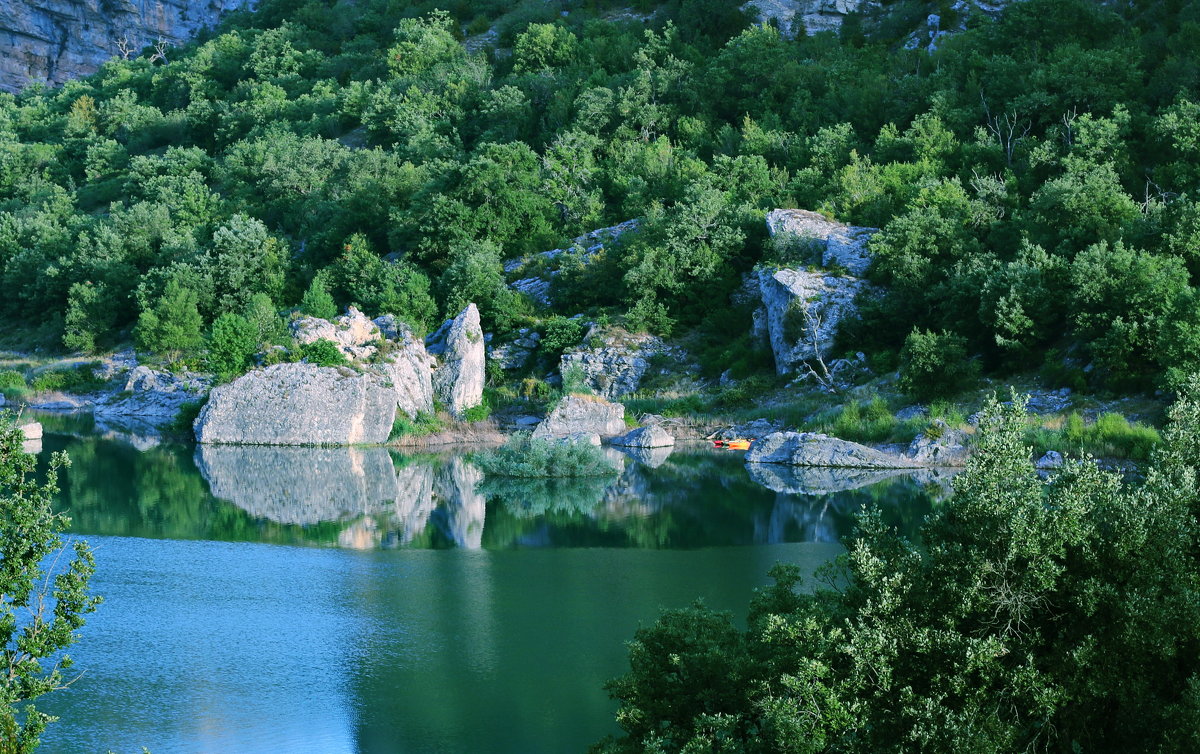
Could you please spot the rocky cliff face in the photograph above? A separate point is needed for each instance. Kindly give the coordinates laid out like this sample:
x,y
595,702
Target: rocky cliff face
x,y
52,41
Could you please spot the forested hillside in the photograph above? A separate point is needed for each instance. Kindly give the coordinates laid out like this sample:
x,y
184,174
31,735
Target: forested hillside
x,y
1035,176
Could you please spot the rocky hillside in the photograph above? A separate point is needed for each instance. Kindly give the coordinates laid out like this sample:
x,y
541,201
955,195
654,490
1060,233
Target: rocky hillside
x,y
53,41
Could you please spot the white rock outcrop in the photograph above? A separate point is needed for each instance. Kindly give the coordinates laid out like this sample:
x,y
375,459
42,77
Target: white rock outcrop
x,y
831,243
800,312
458,381
612,361
153,397
53,41
356,336
299,404
577,414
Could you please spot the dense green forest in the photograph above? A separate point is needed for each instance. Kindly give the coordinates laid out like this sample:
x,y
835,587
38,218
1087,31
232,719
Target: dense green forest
x,y
1035,176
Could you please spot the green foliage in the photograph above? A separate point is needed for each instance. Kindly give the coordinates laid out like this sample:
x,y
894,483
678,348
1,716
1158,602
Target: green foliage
x,y
934,364
1041,593
417,426
11,381
44,600
871,422
323,353
185,417
477,413
362,278
172,326
317,301
524,456
232,345
559,334
77,379
1109,436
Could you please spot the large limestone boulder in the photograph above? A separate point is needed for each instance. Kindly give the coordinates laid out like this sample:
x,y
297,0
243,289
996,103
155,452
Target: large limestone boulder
x,y
458,382
831,243
940,445
611,360
653,436
576,414
299,404
152,397
355,335
813,449
800,312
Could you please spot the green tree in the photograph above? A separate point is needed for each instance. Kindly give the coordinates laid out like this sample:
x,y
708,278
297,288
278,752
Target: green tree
x,y
934,365
41,611
233,343
317,301
172,327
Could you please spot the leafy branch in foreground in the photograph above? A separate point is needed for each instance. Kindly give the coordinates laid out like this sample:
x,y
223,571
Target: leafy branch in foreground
x,y
1048,615
41,611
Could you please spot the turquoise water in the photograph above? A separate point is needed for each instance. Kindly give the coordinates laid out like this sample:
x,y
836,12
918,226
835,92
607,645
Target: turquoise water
x,y
360,600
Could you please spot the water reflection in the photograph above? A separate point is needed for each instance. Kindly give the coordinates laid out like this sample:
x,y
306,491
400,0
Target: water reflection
x,y
375,498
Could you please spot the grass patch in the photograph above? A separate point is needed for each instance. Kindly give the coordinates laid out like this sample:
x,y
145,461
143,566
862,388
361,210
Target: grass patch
x,y
78,379
523,456
422,424
1110,436
870,422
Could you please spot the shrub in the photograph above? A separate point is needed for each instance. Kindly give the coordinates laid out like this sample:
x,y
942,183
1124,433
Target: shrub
x,y
79,379
234,341
559,334
317,301
523,456
477,413
12,380
934,365
323,353
185,417
422,424
574,380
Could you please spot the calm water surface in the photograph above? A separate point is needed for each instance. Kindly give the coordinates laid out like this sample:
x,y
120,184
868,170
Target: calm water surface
x,y
361,600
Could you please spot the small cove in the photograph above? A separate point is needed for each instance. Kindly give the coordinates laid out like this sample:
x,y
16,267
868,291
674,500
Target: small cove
x,y
365,600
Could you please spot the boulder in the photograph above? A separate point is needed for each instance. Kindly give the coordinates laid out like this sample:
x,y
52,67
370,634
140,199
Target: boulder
x,y
1050,461
800,312
832,243
458,382
153,397
3,400
353,333
31,430
407,367
940,445
653,436
611,360
582,413
299,404
813,449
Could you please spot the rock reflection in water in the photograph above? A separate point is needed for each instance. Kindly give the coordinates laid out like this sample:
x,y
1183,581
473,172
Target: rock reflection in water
x,y
817,480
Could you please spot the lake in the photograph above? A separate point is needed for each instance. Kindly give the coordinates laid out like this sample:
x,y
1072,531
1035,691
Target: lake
x,y
365,600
